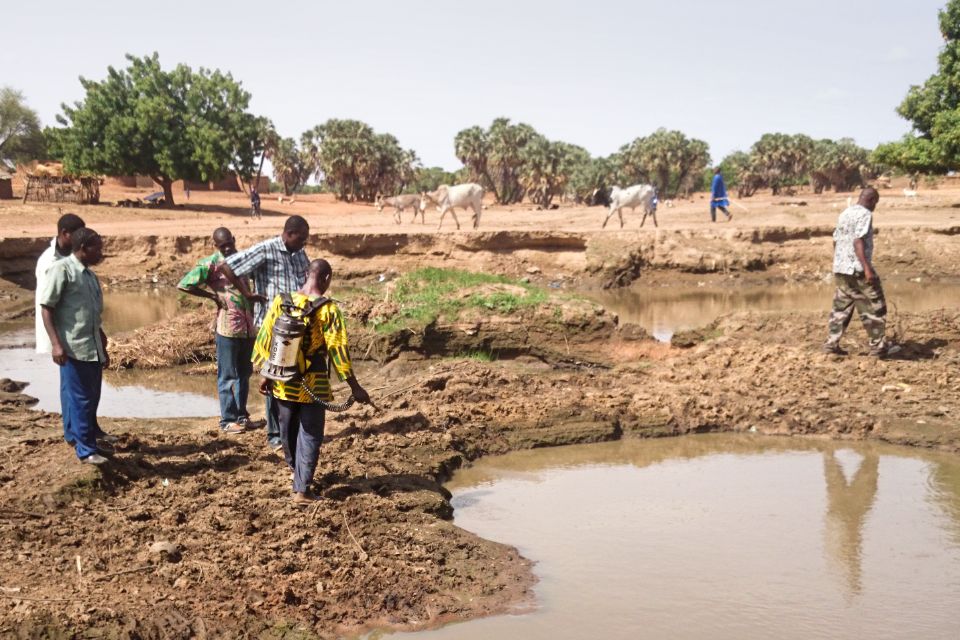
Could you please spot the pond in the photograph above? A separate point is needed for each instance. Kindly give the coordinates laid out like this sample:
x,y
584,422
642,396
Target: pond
x,y
722,537
663,311
134,394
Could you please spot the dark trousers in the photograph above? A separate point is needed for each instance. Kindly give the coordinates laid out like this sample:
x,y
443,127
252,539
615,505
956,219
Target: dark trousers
x,y
301,432
80,385
713,212
273,424
233,377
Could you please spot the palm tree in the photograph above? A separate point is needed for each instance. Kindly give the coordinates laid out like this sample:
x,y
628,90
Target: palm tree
x,y
355,162
473,150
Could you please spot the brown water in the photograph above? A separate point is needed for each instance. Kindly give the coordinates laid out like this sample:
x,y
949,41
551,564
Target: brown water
x,y
128,310
663,311
135,394
722,537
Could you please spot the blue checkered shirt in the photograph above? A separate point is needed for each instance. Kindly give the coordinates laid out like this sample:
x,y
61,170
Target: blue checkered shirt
x,y
274,270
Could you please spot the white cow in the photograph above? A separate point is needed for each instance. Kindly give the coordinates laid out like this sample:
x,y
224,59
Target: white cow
x,y
910,194
399,203
639,195
448,198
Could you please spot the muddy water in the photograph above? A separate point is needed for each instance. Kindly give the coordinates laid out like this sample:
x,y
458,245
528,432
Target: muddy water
x,y
663,311
722,537
167,394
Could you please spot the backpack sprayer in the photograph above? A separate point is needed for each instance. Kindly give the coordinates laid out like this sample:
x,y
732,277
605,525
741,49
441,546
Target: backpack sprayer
x,y
286,341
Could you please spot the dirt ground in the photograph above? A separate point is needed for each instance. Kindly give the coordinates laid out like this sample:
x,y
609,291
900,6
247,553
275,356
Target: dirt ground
x,y
776,239
206,210
189,533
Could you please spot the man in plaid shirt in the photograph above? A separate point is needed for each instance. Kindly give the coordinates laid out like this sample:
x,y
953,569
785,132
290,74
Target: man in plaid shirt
x,y
278,265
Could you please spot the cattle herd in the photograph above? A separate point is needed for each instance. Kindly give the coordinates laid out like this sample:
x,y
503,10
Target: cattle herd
x,y
470,195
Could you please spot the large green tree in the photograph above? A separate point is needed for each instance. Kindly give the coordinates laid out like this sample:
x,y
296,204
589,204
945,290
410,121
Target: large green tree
x,y
355,162
473,149
782,160
548,168
495,157
167,124
292,167
740,171
429,178
21,139
840,165
591,181
669,160
933,110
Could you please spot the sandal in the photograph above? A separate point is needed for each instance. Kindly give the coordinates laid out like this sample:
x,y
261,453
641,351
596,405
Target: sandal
x,y
232,428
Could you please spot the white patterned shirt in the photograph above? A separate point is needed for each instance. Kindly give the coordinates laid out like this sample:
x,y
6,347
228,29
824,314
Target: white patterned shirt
x,y
855,222
274,269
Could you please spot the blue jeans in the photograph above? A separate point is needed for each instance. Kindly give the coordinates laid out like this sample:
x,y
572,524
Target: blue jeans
x,y
233,377
80,385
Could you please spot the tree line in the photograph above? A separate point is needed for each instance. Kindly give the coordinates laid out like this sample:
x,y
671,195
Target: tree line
x,y
186,124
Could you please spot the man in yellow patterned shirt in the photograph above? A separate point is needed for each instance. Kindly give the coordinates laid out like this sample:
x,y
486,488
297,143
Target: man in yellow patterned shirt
x,y
299,413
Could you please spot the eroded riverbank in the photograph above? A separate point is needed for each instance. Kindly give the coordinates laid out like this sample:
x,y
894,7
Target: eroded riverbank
x,y
565,258
380,550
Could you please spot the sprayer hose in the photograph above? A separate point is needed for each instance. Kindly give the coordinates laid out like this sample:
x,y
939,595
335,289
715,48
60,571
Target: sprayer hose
x,y
330,406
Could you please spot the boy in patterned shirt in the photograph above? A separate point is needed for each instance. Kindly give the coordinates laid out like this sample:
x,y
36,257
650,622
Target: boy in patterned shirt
x,y
300,416
235,330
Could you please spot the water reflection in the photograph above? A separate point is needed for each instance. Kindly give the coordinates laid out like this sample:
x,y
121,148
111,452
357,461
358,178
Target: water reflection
x,y
129,310
945,491
848,503
663,311
132,394
723,537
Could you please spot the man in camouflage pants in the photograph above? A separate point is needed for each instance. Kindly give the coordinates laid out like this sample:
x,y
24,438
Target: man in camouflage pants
x,y
858,285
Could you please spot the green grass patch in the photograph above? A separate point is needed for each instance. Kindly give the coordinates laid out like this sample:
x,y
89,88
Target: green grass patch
x,y
431,294
477,354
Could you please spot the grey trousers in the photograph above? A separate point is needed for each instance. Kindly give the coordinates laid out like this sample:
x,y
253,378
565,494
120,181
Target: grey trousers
x,y
301,432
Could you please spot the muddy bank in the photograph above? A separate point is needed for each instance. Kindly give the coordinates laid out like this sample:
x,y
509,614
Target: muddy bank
x,y
379,549
590,258
561,329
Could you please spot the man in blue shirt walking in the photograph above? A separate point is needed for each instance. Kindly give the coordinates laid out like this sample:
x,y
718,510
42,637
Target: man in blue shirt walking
x,y
718,197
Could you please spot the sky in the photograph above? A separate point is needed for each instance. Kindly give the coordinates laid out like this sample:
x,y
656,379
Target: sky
x,y
597,73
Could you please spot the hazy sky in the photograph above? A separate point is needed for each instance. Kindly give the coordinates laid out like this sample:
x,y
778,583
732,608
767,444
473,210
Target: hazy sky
x,y
597,73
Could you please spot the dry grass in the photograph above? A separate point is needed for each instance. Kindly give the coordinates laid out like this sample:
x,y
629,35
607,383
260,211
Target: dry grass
x,y
185,339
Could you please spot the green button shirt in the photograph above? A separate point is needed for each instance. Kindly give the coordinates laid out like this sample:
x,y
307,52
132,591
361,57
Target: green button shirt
x,y
73,292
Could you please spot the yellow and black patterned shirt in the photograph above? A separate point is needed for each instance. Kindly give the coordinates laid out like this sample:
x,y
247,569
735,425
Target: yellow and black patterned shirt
x,y
326,336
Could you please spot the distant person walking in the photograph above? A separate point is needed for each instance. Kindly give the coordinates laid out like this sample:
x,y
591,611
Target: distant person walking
x,y
718,197
60,247
858,285
71,305
235,330
278,265
300,414
254,202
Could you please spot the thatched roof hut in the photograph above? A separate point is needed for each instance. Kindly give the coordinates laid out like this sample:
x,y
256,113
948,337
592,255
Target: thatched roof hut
x,y
47,182
6,186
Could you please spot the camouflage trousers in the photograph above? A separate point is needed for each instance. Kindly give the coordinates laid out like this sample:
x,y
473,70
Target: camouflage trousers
x,y
854,292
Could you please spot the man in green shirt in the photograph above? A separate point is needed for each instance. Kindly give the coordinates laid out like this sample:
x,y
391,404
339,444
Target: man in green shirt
x,y
234,334
71,303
